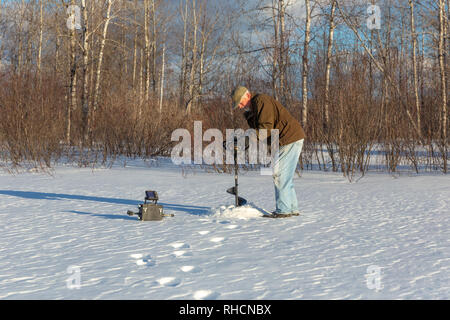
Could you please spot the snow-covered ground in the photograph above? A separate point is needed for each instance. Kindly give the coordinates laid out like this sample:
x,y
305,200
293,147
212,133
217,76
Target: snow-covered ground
x,y
67,236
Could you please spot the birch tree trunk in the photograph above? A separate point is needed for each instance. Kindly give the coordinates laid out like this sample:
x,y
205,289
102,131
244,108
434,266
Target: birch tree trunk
x,y
73,81
328,64
30,34
441,49
153,55
1,42
147,49
422,78
41,31
183,57
141,81
135,44
92,59
161,92
414,57
305,65
57,47
100,55
276,48
84,94
201,71
192,88
20,36
283,56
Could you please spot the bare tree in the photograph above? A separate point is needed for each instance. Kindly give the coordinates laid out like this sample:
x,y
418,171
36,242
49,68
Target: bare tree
x,y
72,105
442,67
328,62
147,48
20,34
135,42
1,34
379,65
210,44
85,78
41,32
30,32
183,67
101,52
305,70
193,61
414,57
161,93
153,46
276,48
200,49
284,52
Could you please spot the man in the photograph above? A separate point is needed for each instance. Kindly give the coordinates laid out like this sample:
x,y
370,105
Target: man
x,y
264,112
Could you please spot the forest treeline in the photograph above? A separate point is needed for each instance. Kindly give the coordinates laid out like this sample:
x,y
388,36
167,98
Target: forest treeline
x,y
91,80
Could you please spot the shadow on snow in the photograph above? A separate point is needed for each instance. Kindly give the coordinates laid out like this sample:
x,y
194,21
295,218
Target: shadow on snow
x,y
194,210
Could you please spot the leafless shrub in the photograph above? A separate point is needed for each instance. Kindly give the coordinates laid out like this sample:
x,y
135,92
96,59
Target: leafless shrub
x,y
31,124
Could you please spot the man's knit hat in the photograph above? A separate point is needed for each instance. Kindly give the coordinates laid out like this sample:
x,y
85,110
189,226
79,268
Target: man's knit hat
x,y
237,95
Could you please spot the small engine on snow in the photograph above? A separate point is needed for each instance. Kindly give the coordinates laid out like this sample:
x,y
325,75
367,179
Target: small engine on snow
x,y
150,211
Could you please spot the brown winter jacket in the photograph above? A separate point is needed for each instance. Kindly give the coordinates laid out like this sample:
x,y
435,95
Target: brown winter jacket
x,y
267,113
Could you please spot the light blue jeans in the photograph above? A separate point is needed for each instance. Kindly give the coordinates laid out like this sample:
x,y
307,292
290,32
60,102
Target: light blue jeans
x,y
283,176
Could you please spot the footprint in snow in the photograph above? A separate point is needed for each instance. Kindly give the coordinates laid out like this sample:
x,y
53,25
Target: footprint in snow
x,y
142,260
217,239
145,262
205,295
181,253
169,281
179,245
190,269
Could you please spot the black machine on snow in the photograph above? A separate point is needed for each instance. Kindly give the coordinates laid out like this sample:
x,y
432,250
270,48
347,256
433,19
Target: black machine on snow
x,y
150,211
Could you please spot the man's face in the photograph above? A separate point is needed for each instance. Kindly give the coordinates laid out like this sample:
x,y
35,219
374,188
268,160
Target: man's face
x,y
245,100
